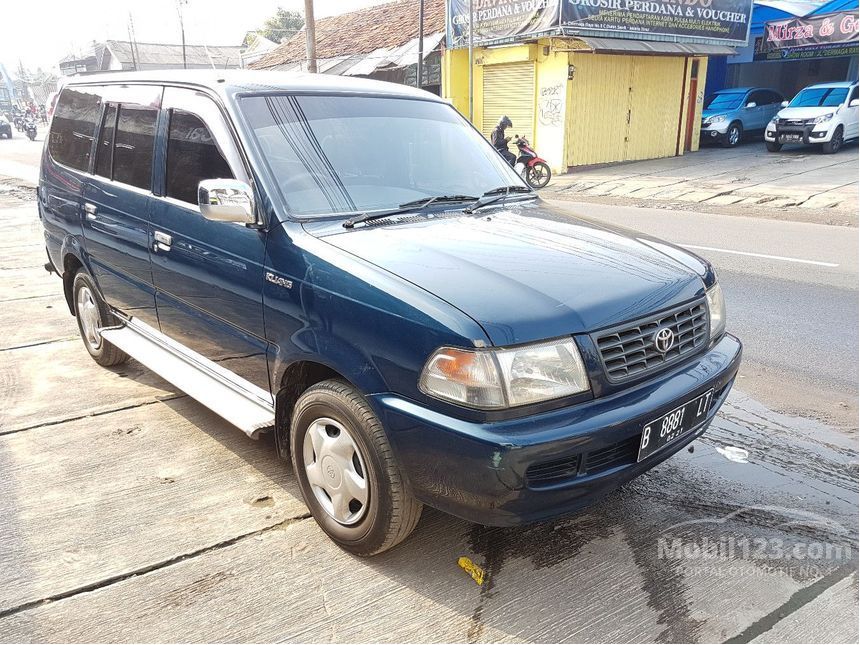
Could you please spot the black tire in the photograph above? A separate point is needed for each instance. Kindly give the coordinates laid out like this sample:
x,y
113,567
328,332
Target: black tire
x,y
835,144
734,135
773,146
103,352
391,511
538,175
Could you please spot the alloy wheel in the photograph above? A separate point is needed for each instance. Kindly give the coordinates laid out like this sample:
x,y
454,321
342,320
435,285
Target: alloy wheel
x,y
734,135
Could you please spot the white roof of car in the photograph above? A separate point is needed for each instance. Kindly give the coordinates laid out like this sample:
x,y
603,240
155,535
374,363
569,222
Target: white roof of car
x,y
837,84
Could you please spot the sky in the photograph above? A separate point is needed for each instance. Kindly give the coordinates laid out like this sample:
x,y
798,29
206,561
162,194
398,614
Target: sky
x,y
41,32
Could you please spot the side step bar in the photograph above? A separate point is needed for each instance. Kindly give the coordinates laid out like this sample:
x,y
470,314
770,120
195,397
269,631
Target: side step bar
x,y
240,402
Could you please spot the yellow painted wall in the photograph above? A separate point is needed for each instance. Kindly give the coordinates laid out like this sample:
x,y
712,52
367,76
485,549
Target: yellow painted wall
x,y
624,107
584,120
552,101
597,116
657,87
700,101
455,79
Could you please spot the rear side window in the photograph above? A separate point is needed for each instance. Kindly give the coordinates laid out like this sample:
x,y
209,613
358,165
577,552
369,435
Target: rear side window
x,y
73,127
192,156
105,147
134,141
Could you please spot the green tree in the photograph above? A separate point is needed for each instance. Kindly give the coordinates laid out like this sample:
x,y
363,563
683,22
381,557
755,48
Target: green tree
x,y
282,25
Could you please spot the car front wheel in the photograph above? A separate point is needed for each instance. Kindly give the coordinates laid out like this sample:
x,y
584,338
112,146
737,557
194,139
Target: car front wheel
x,y
347,472
834,144
773,146
733,135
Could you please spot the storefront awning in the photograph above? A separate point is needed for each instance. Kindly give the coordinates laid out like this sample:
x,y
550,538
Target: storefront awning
x,y
617,45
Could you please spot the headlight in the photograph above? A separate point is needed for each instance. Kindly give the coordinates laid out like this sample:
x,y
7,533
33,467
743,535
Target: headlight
x,y
774,120
715,119
717,307
504,378
823,118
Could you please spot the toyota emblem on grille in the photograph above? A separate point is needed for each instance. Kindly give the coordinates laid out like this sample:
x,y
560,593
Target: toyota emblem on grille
x,y
664,339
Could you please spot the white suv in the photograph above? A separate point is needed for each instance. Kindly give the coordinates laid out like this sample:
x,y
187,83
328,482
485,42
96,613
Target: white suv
x,y
823,114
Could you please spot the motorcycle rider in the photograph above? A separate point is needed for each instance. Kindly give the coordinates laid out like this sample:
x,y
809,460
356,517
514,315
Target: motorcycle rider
x,y
500,141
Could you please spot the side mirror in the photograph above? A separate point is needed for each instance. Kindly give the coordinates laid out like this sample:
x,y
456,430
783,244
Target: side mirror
x,y
783,104
854,103
226,200
752,104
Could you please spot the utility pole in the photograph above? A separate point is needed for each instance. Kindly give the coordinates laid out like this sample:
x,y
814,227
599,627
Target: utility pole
x,y
471,64
420,70
311,36
179,4
132,42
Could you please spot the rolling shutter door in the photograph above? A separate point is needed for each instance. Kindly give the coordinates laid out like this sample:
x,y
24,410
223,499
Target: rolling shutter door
x,y
510,89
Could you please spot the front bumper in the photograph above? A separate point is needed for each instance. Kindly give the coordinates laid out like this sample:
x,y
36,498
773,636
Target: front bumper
x,y
715,132
479,471
775,132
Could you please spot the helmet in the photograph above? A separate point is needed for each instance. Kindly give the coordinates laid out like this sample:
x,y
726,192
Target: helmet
x,y
505,122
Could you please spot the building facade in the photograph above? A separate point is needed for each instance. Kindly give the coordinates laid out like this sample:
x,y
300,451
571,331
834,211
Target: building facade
x,y
794,44
379,42
123,55
593,84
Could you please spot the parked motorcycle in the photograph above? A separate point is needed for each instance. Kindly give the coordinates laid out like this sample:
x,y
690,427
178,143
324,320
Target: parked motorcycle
x,y
30,128
534,170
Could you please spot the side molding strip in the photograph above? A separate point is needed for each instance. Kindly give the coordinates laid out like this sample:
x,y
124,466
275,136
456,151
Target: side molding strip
x,y
240,402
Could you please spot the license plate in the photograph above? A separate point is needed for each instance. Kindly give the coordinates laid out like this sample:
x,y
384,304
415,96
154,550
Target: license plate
x,y
792,137
673,425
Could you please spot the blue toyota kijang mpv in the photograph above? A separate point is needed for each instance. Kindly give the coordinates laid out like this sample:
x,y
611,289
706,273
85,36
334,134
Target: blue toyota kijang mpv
x,y
350,265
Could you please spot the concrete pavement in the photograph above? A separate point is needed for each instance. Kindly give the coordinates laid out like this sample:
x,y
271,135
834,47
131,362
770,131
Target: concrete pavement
x,y
799,179
131,513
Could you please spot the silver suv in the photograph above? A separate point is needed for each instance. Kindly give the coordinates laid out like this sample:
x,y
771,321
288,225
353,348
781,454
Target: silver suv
x,y
730,114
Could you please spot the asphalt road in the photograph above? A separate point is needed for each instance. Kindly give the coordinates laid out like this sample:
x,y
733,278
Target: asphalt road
x,y
133,514
791,295
19,157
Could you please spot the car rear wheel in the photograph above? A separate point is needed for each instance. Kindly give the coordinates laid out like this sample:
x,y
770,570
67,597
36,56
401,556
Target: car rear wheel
x,y
773,146
834,144
538,175
347,471
733,135
93,315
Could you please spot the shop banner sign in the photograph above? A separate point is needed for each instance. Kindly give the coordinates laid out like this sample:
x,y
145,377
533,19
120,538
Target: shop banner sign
x,y
726,20
500,20
827,35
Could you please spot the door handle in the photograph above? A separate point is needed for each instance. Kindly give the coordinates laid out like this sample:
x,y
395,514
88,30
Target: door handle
x,y
162,242
90,210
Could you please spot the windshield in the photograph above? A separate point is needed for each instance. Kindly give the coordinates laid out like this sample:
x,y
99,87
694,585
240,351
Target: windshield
x,y
348,154
820,97
724,101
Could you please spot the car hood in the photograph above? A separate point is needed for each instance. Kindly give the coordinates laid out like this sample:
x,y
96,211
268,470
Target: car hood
x,y
804,112
707,113
528,272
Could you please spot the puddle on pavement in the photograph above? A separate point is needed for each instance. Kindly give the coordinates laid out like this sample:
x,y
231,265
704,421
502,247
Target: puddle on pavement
x,y
788,511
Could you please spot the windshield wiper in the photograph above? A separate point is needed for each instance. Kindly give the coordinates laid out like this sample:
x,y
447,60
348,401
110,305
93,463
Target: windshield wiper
x,y
496,195
408,207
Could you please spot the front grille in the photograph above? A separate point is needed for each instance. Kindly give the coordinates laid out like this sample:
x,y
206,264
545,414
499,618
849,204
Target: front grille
x,y
792,121
549,472
623,452
620,453
630,350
